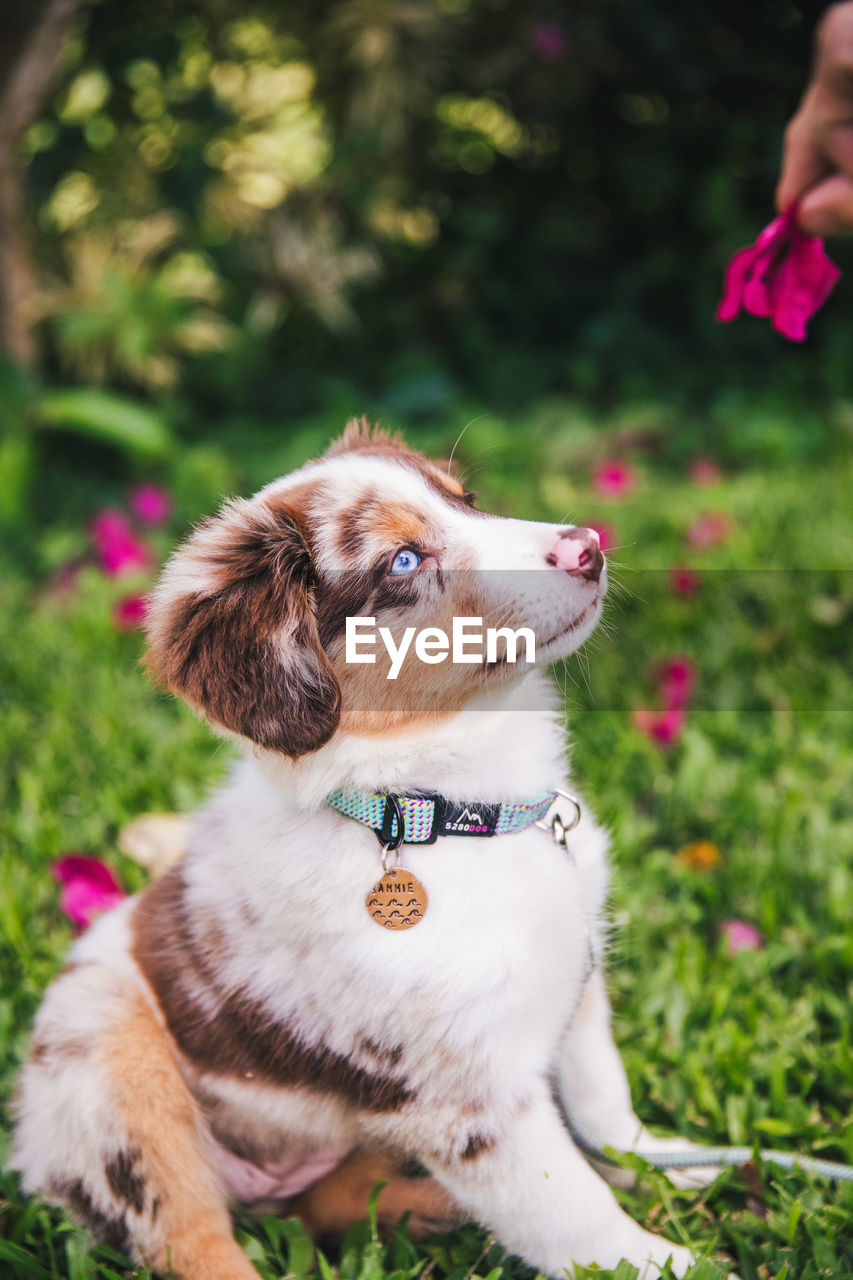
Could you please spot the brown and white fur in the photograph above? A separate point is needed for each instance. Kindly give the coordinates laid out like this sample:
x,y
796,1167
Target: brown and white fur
x,y
242,1031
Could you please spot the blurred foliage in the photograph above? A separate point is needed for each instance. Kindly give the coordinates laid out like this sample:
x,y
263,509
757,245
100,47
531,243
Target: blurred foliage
x,y
260,202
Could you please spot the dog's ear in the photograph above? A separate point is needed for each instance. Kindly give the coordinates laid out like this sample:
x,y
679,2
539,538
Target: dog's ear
x,y
232,629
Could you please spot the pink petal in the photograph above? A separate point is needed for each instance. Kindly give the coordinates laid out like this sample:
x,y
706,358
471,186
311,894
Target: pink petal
x,y
614,479
785,275
740,936
733,284
89,887
709,529
684,582
662,727
758,288
130,612
804,282
748,264
117,547
151,503
677,679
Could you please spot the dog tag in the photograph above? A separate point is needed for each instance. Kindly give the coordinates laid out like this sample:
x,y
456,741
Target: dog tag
x,y
398,900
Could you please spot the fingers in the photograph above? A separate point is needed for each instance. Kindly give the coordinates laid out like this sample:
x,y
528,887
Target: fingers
x,y
803,162
827,209
817,164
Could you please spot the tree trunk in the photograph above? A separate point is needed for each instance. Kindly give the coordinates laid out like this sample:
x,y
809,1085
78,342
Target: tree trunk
x,y
32,57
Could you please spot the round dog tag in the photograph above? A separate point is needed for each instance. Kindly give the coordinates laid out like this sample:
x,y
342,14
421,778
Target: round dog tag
x,y
398,900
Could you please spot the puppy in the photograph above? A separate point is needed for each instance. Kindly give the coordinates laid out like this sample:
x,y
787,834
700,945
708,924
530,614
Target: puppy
x,y
253,1028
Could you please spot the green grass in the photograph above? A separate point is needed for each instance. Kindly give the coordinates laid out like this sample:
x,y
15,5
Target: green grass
x,y
753,1048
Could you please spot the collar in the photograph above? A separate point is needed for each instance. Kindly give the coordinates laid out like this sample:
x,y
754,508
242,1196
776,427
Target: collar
x,y
422,818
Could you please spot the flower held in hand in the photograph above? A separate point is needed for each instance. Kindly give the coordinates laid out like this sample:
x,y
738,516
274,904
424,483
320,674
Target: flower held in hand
x,y
785,275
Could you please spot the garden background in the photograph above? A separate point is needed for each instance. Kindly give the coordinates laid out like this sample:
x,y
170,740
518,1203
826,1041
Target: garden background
x,y
227,226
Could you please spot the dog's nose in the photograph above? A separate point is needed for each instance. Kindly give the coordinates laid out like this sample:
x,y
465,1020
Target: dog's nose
x,y
578,552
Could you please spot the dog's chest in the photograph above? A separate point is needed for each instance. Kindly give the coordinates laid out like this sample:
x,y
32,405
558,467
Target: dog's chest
x,y
493,971
510,921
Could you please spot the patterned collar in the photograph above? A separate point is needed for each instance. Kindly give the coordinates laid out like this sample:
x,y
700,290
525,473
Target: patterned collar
x,y
425,817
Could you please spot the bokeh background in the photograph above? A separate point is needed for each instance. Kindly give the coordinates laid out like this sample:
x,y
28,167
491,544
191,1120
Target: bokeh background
x,y
244,212
501,226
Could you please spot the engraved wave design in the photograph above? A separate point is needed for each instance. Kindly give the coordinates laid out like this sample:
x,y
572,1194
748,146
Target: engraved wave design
x,y
397,921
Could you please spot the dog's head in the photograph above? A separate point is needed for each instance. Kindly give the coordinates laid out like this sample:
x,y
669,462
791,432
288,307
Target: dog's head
x,y
249,621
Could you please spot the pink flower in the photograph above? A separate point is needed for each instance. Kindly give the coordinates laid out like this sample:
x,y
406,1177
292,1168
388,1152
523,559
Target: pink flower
x,y
89,888
550,41
785,275
614,479
662,727
704,471
606,533
130,612
118,548
709,529
150,503
740,936
684,581
677,679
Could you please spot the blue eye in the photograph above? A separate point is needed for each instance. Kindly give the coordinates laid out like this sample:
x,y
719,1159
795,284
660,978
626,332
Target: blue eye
x,y
404,562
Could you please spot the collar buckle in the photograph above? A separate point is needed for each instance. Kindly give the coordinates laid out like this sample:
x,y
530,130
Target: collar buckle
x,y
392,833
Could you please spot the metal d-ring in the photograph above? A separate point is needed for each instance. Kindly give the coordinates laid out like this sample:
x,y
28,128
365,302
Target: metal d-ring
x,y
555,825
393,813
383,857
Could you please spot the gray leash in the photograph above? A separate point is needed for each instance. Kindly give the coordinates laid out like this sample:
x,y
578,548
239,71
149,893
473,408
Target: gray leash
x,y
696,1159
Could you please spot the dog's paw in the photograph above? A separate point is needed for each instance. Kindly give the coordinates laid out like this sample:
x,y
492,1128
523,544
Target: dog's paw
x,y
664,1251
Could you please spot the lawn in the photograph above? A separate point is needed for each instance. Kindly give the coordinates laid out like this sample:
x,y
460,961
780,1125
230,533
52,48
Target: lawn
x,y
725,1046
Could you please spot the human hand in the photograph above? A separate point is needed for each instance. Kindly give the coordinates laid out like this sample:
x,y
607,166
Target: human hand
x,y
817,166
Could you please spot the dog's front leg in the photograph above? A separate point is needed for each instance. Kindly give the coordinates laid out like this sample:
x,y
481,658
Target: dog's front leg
x,y
597,1098
528,1183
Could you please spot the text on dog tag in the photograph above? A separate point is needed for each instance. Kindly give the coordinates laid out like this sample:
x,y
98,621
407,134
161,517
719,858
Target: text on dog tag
x,y
398,900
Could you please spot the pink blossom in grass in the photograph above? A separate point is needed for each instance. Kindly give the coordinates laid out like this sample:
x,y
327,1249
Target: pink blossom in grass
x,y
150,503
739,935
785,275
550,41
130,612
683,581
606,534
614,479
677,678
119,550
89,887
662,727
709,529
705,472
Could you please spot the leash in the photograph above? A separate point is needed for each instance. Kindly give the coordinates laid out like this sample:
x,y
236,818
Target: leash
x,y
705,1157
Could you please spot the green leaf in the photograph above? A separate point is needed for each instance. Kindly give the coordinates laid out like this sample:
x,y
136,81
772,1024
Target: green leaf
x,y
103,415
300,1257
10,1252
78,1254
